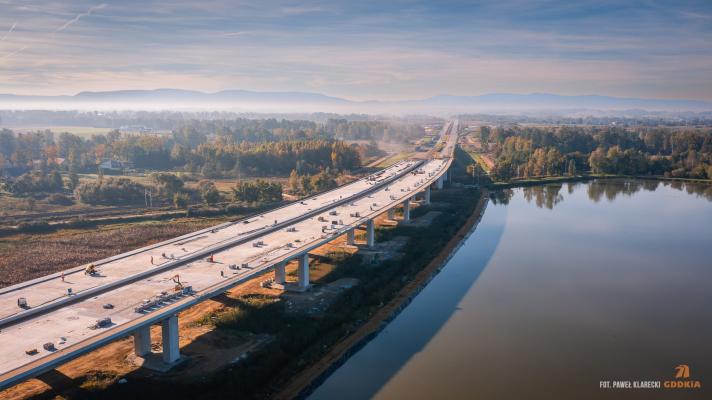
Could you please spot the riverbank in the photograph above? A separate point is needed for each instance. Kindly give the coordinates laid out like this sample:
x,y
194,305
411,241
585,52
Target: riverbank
x,y
311,377
586,178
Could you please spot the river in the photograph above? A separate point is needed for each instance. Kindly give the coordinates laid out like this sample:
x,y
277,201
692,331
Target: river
x,y
558,288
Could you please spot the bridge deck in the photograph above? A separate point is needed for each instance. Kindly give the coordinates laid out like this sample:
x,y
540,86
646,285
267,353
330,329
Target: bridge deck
x,y
68,325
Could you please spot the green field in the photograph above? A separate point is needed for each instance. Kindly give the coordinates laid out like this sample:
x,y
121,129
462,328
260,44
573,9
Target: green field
x,y
392,160
83,131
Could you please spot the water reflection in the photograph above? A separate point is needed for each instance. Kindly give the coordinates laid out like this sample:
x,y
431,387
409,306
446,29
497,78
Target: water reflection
x,y
422,319
548,196
545,304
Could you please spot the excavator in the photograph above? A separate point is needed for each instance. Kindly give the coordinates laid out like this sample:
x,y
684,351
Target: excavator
x,y
90,270
179,286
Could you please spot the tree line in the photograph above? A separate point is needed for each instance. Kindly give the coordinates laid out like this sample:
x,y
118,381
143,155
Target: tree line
x,y
523,152
221,157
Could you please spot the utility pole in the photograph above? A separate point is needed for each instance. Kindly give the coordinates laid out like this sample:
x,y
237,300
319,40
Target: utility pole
x,y
148,198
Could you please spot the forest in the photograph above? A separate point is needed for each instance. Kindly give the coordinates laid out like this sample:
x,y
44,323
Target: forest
x,y
221,157
524,152
46,163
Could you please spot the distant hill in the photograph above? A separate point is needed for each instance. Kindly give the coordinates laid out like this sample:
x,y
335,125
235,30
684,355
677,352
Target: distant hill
x,y
245,100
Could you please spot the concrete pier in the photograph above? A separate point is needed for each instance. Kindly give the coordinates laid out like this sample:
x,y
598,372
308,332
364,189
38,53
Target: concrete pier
x,y
439,183
350,237
280,275
392,213
406,211
142,341
427,196
171,349
303,272
370,234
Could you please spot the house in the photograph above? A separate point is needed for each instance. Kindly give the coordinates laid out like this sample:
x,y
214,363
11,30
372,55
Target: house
x,y
112,166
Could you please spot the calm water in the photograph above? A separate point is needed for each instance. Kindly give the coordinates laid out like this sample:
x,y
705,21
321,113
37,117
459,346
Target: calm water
x,y
559,289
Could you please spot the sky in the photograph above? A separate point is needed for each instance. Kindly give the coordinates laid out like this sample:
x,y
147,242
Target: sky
x,y
360,50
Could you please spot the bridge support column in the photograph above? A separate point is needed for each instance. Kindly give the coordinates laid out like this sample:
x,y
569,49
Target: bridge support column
x,y
280,275
427,196
439,183
350,237
406,211
142,341
303,272
391,213
171,349
370,234
447,175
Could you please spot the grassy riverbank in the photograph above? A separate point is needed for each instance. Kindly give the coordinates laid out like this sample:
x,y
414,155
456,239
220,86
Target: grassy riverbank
x,y
583,178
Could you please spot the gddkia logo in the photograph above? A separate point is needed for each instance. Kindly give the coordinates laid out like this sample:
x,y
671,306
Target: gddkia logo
x,y
683,381
683,371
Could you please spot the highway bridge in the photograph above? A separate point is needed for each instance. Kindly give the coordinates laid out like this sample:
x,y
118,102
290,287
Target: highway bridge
x,y
48,321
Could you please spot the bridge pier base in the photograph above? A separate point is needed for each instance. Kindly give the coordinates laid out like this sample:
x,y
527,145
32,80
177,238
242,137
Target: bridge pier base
x,y
350,237
142,341
406,211
370,234
169,332
303,272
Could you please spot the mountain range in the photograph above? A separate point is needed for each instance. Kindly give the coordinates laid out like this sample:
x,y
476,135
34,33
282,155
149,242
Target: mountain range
x,y
244,100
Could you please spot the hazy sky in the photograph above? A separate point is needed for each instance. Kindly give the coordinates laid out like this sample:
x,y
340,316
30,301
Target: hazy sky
x,y
360,49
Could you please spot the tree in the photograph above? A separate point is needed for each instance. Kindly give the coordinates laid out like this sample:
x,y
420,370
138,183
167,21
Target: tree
x,y
257,191
597,160
73,181
168,184
572,168
293,181
323,181
306,184
180,200
55,181
209,192
484,136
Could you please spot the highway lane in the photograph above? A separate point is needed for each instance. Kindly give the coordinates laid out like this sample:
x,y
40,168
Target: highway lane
x,y
52,289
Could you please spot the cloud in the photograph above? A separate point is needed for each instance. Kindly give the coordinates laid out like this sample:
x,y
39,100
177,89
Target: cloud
x,y
60,29
12,28
78,17
365,49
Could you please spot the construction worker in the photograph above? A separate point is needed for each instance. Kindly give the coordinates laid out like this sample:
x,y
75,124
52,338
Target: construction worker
x,y
212,259
62,276
151,260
